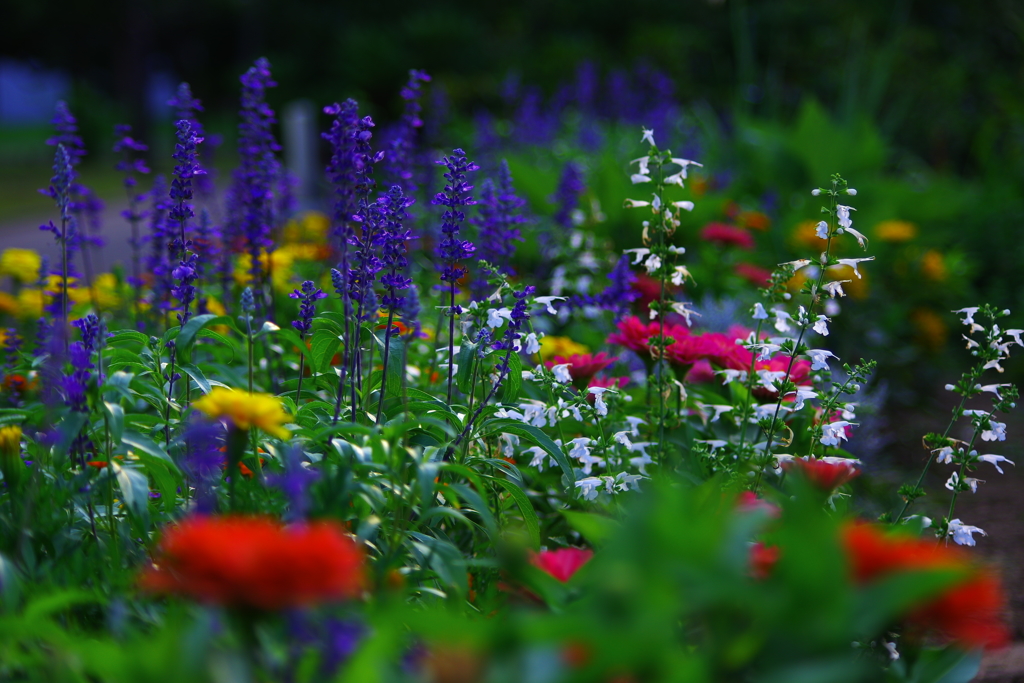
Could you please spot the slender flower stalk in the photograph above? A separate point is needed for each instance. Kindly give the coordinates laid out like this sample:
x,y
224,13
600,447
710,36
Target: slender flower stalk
x,y
60,191
309,293
130,165
452,250
500,215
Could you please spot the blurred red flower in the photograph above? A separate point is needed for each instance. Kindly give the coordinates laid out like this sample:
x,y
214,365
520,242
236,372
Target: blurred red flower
x,y
823,474
561,563
755,275
724,234
255,562
969,612
583,366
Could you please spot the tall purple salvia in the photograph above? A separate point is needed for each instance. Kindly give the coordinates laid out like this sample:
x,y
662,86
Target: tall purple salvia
x,y
258,171
452,250
308,295
567,194
500,215
394,236
161,233
401,158
187,168
60,190
187,107
132,166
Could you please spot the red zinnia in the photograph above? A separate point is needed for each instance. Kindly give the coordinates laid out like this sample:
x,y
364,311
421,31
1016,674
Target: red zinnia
x,y
561,563
967,612
823,475
255,562
762,559
755,275
724,234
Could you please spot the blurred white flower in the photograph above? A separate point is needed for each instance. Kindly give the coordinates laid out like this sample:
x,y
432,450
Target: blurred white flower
x,y
963,534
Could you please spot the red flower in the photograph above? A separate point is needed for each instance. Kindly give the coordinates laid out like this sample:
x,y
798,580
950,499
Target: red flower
x,y
724,234
755,275
98,464
824,475
561,563
762,559
633,334
647,289
616,382
583,366
255,562
748,501
968,612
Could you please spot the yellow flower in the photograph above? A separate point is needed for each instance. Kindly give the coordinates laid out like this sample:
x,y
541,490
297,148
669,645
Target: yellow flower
x,y
215,307
104,292
754,220
245,411
11,464
933,266
9,305
804,236
895,231
857,287
21,264
304,252
30,302
10,440
280,263
311,226
930,329
560,346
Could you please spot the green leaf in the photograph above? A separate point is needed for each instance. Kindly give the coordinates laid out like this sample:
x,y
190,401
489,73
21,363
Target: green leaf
x,y
513,380
184,340
119,382
140,442
197,376
323,345
948,665
134,487
58,602
595,528
466,359
115,419
395,369
127,338
525,507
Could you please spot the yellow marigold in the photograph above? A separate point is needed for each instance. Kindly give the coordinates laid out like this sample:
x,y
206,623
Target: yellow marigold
x,y
245,411
857,287
10,440
214,306
895,231
280,262
930,330
30,302
104,292
306,252
754,220
560,346
311,226
9,305
21,264
933,266
804,236
11,464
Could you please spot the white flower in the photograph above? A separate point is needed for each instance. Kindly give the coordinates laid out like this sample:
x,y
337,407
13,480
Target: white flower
x,y
767,378
676,178
995,460
719,410
971,344
640,254
528,375
648,136
532,345
538,457
944,456
765,350
861,239
969,318
562,373
623,438
801,396
798,264
680,307
815,192
963,534
843,214
687,205
819,358
684,163
547,301
642,461
851,191
497,316
679,275
580,447
834,432
890,647
599,405
852,262
642,161
652,263
679,251
996,431
835,287
635,204
759,312
589,487
625,481
638,178
780,320
820,326
1016,335
971,482
634,423
821,230
730,375
656,203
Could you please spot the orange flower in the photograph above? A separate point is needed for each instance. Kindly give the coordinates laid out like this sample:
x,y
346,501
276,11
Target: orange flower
x,y
968,612
254,562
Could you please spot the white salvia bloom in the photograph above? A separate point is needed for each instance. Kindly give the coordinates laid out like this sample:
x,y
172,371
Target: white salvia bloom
x,y
764,350
781,318
730,375
834,432
642,161
719,410
971,482
589,487
574,410
648,136
963,534
639,254
944,456
625,481
681,308
510,442
686,205
992,388
528,376
713,444
599,405
623,438
638,178
656,204
969,318
642,461
802,395
672,249
684,163
993,364
547,301
538,457
821,230
562,373
815,192
889,647
851,191
679,275
676,178
995,432
971,344
635,204
532,345
819,358
580,447
848,411
835,287
994,460
820,326
861,239
588,461
843,214
634,423
759,312
652,263
798,264
497,316
510,414
831,307
763,410
852,262
833,460
950,387
1016,336
767,378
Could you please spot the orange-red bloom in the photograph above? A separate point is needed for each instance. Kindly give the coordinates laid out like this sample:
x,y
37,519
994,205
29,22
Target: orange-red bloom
x,y
257,563
824,475
968,612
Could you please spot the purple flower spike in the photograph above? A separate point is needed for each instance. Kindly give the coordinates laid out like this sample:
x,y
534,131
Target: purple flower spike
x,y
567,196
452,249
394,236
401,155
308,294
499,221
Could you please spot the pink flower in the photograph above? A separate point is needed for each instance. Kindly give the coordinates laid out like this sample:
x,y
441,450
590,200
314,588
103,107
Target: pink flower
x,y
724,234
755,275
561,563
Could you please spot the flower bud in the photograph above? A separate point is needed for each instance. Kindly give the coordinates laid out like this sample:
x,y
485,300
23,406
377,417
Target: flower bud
x,y
11,464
